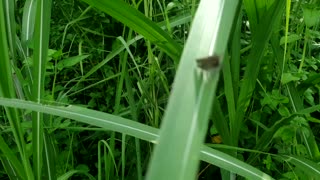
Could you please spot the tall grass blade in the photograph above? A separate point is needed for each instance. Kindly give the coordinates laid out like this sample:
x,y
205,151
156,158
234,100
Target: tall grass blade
x,y
49,155
28,21
231,73
186,118
41,42
10,27
134,114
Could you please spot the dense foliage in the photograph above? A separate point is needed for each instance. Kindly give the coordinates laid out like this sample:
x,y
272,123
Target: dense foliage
x,y
99,59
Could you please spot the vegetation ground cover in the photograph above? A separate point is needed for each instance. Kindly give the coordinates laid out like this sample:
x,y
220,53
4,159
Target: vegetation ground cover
x,y
86,86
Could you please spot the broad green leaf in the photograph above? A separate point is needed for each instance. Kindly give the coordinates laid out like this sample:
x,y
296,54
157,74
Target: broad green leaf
x,y
290,39
288,77
311,15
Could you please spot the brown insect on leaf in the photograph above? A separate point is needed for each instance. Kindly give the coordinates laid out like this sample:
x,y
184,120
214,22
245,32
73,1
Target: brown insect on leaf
x,y
208,63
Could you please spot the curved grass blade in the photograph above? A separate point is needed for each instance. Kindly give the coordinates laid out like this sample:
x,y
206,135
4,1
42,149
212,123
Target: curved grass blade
x,y
69,174
229,163
126,126
131,17
309,167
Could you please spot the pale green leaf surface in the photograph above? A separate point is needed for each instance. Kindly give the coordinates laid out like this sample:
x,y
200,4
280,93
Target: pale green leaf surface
x,y
185,120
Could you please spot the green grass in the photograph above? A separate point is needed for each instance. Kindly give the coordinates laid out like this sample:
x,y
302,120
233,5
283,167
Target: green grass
x,y
111,90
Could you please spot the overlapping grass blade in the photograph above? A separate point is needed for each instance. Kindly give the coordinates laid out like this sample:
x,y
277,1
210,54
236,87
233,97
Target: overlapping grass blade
x,y
173,23
131,17
11,162
231,73
7,90
259,42
297,105
11,172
